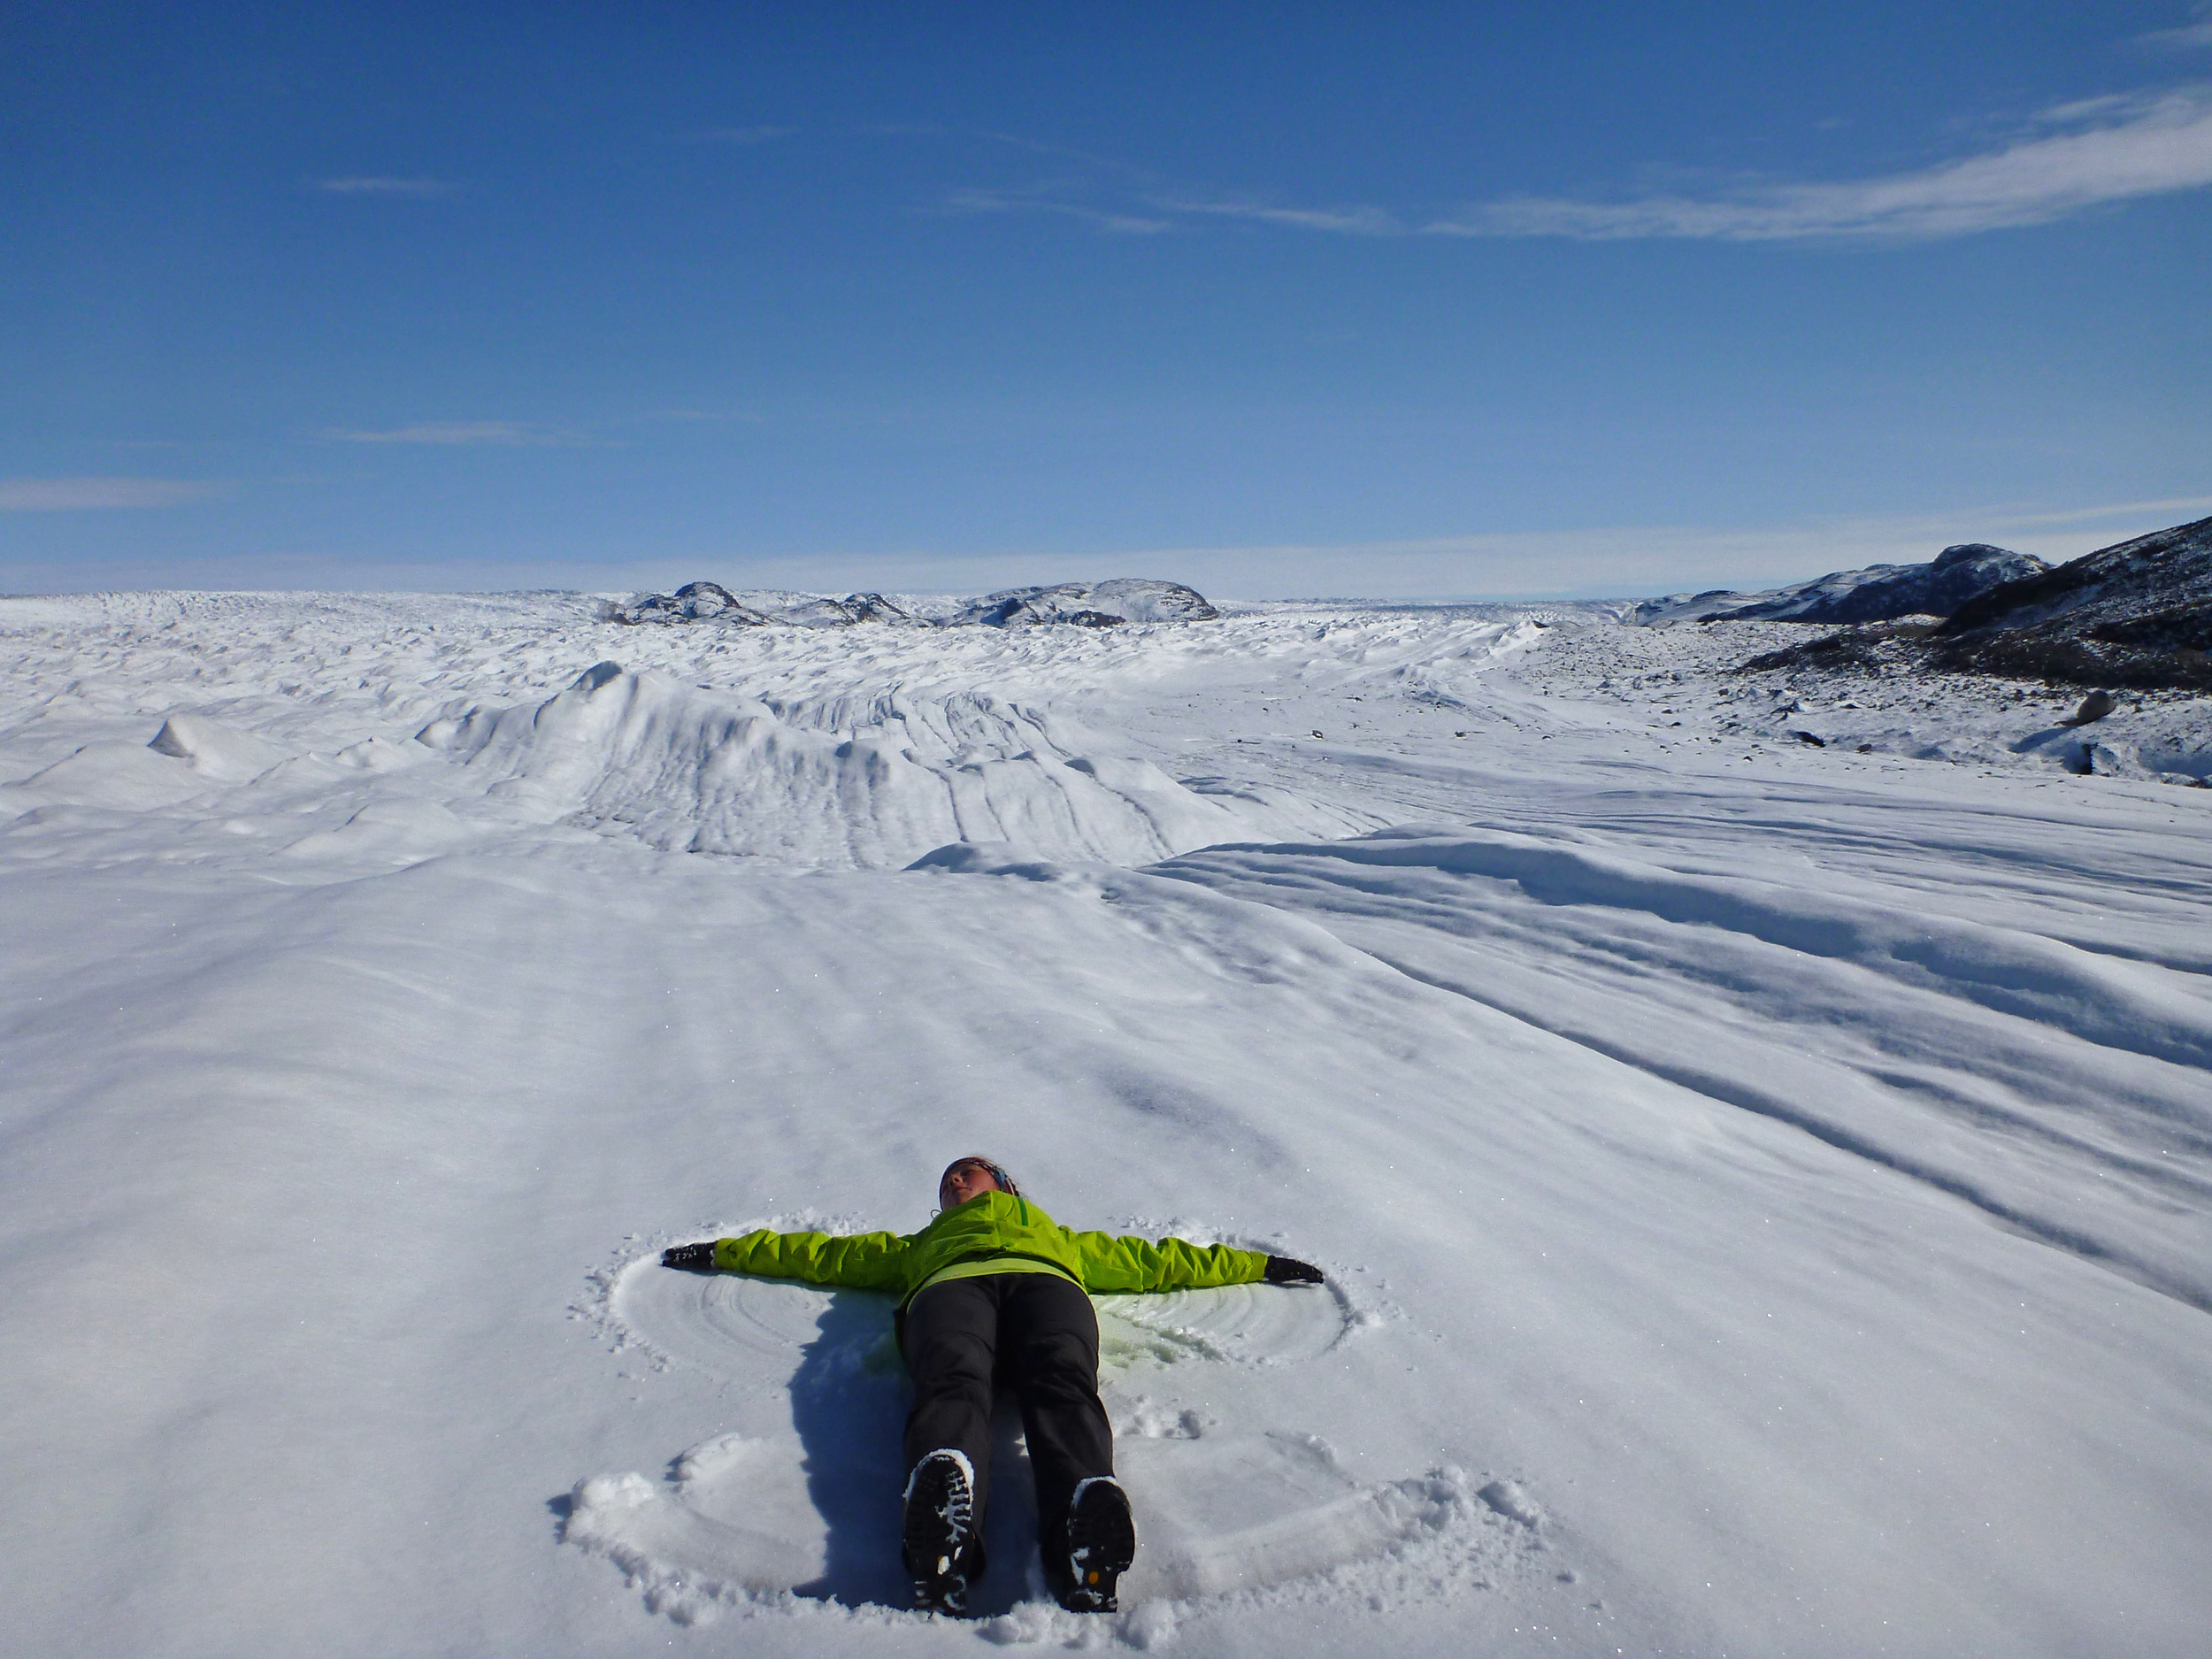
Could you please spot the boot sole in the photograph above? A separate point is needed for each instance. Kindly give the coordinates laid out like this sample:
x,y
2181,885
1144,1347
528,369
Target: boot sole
x,y
938,1541
1101,1542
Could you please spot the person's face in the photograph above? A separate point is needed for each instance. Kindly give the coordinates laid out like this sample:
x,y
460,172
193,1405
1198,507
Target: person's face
x,y
971,1178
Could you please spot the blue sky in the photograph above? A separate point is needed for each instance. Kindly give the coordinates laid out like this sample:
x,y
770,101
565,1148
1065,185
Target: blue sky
x,y
1281,300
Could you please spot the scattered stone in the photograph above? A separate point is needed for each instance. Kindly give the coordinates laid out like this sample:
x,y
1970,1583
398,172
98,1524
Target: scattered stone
x,y
2094,707
1807,737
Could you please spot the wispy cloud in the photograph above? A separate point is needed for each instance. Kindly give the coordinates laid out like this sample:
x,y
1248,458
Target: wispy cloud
x,y
73,495
384,186
2111,149
2064,160
1349,221
744,134
1038,201
498,434
2189,37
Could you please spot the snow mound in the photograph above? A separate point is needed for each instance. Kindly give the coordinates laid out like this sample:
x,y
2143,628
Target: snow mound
x,y
881,782
216,751
129,777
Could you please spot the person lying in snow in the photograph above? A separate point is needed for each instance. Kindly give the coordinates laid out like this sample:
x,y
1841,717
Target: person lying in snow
x,y
995,1288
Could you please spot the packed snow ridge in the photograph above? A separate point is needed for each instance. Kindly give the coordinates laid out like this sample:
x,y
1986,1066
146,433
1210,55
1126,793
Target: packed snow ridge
x,y
1756,1121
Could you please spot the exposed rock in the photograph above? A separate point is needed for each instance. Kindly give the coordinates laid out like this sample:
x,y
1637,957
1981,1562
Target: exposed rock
x,y
1082,604
2138,613
1102,604
815,610
1877,594
2094,707
1855,648
693,602
876,607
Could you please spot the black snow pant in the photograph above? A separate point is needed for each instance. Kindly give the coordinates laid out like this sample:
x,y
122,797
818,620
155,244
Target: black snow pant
x,y
1036,1333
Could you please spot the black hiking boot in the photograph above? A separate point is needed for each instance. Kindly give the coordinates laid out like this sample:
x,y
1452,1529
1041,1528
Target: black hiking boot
x,y
941,1549
1101,1541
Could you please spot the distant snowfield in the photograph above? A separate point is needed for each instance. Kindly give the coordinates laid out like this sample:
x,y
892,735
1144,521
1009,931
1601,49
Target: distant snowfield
x,y
1766,1189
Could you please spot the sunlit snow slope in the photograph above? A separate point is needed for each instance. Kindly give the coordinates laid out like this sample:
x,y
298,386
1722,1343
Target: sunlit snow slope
x,y
1764,1188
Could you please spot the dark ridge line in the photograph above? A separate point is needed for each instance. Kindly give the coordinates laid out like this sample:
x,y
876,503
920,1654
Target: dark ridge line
x,y
2074,1244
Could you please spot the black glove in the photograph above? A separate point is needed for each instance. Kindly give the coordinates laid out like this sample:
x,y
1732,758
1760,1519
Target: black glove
x,y
693,1258
1282,1269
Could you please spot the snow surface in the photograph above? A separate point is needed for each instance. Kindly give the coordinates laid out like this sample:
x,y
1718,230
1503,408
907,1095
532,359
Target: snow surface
x,y
1765,1188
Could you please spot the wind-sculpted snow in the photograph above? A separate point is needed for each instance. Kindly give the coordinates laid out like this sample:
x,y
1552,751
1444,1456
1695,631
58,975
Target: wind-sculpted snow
x,y
699,770
1900,1034
1763,1187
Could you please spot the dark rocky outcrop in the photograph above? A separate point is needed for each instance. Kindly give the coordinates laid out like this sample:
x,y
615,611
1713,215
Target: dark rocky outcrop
x,y
1092,605
1081,605
810,610
2138,613
693,602
710,602
1879,592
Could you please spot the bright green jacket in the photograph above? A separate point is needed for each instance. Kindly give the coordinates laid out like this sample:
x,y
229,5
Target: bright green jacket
x,y
990,1226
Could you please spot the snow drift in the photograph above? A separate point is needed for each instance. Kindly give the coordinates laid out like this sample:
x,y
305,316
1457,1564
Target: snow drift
x,y
699,770
1764,1188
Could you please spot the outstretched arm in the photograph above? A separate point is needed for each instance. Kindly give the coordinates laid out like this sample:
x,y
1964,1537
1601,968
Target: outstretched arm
x,y
861,1261
1112,1264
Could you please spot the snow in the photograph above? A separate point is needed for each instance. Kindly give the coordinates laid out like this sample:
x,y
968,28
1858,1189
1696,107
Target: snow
x,y
1959,573
1764,1187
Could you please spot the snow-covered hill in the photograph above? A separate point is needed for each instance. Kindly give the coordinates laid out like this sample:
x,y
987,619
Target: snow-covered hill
x,y
2138,613
1766,1183
1878,593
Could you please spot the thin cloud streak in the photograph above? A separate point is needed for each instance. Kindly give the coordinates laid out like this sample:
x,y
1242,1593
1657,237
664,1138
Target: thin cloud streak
x,y
983,201
384,186
77,495
500,434
1350,221
2137,146
2071,158
2189,37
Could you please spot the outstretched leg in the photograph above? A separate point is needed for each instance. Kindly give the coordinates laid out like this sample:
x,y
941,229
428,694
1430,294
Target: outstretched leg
x,y
1049,1333
950,1339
